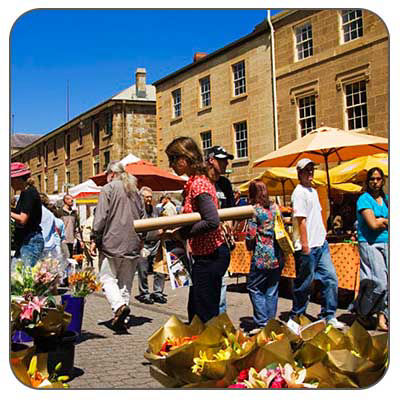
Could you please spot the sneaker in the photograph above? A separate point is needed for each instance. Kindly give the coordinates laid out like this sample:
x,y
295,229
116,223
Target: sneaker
x,y
255,331
158,298
335,323
145,298
118,322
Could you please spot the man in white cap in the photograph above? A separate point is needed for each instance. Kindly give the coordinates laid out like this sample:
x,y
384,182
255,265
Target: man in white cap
x,y
312,255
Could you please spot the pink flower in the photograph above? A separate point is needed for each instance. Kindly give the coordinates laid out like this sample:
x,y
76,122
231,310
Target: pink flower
x,y
27,312
276,385
243,375
237,386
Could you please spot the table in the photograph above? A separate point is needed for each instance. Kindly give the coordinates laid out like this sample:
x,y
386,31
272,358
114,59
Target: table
x,y
345,258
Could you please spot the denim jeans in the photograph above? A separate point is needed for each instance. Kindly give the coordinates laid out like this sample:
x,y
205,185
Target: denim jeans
x,y
143,268
263,287
316,265
116,276
222,300
31,249
205,293
373,293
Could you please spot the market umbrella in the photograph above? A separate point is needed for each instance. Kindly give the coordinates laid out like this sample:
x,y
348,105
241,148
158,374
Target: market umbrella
x,y
356,170
149,175
324,145
282,181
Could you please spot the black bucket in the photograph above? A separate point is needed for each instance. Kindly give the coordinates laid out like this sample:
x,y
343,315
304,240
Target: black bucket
x,y
59,349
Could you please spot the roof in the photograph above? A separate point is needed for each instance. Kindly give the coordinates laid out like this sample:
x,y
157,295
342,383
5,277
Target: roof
x,y
21,140
131,94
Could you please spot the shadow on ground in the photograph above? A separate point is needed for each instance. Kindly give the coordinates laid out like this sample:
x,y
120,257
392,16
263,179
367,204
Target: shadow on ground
x,y
88,336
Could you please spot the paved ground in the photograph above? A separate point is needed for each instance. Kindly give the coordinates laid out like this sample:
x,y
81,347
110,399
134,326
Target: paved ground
x,y
104,359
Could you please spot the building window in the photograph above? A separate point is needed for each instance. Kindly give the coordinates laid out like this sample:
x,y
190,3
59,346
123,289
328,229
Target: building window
x,y
352,25
46,153
356,105
307,114
205,92
96,167
39,182
80,172
239,78
304,42
177,103
206,141
241,139
80,137
68,177
55,147
109,121
106,159
46,184
55,181
67,147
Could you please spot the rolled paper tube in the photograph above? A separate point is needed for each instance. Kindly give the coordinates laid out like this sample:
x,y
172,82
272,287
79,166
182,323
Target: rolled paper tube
x,y
174,221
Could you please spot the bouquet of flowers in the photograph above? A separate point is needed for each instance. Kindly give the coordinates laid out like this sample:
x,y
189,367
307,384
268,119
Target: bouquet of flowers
x,y
83,283
40,281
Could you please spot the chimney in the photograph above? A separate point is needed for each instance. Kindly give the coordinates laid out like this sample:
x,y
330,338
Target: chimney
x,y
198,55
140,82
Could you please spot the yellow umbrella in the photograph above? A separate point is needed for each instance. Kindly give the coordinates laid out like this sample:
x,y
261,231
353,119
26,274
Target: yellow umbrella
x,y
356,170
324,144
282,181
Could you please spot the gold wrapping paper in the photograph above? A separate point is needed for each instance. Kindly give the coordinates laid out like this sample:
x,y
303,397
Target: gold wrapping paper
x,y
174,221
54,321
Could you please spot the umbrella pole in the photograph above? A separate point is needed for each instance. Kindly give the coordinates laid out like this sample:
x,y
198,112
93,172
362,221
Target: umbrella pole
x,y
283,190
329,187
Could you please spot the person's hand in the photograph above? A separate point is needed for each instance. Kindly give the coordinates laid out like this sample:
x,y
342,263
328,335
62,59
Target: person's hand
x,y
93,249
171,234
305,250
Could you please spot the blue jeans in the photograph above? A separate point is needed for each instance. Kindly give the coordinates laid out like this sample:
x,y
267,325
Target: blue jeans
x,y
205,293
31,249
316,265
222,300
263,287
143,268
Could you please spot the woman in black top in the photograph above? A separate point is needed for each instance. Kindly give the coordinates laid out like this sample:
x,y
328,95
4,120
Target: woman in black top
x,y
27,215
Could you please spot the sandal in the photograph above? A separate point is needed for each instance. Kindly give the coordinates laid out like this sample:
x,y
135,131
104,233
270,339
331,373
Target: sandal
x,y
118,322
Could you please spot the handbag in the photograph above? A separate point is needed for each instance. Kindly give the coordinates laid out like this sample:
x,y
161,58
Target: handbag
x,y
228,236
281,235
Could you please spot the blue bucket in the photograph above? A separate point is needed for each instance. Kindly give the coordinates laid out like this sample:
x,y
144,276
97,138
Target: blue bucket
x,y
21,337
74,306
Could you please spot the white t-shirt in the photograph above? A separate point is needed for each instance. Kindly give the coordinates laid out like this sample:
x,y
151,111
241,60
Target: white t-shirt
x,y
306,204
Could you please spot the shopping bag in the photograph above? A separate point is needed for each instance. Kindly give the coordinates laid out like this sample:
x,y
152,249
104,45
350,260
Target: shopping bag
x,y
281,235
160,260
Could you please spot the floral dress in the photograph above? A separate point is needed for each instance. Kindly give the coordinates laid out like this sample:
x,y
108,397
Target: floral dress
x,y
261,228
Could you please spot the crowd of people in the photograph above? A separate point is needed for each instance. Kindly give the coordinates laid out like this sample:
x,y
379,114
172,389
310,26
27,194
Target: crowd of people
x,y
109,235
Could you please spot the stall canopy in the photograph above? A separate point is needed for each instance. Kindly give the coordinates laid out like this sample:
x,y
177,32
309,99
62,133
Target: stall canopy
x,y
356,170
149,175
130,158
325,145
84,189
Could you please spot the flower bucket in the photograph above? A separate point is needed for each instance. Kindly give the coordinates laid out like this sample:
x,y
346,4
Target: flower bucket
x,y
74,306
59,349
21,337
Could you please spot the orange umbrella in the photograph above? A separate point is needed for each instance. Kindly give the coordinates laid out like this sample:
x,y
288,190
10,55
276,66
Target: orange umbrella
x,y
322,145
149,175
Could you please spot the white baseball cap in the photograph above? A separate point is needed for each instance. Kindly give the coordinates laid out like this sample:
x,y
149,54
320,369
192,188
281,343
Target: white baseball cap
x,y
303,163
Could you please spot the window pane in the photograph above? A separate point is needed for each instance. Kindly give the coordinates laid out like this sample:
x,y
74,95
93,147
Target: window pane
x,y
241,139
352,24
307,117
356,105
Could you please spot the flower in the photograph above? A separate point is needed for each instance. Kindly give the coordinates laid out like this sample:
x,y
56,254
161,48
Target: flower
x,y
237,386
243,375
83,283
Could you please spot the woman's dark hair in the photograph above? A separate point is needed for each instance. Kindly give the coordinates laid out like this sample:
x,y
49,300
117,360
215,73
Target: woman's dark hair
x,y
258,193
186,147
369,174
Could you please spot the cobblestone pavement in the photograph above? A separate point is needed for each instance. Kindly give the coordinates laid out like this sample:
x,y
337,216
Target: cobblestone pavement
x,y
104,359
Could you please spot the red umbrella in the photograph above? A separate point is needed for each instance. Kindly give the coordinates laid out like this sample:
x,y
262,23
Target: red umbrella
x,y
149,175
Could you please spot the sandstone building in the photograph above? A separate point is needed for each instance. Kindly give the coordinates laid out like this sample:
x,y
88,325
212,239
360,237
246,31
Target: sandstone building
x,y
83,147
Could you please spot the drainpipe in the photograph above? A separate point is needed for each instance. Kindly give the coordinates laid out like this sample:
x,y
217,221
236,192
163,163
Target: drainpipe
x,y
276,142
123,129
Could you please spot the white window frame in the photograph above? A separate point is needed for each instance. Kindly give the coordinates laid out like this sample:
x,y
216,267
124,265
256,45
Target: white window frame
x,y
176,103
310,114
55,176
356,105
205,92
241,137
206,142
350,29
304,41
239,78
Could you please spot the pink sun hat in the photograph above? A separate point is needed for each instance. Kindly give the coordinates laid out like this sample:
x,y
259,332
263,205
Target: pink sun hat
x,y
19,169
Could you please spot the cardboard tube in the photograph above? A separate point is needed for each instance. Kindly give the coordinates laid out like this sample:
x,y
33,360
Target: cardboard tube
x,y
174,221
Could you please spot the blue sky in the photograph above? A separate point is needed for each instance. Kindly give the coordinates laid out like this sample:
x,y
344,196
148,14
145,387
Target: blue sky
x,y
98,51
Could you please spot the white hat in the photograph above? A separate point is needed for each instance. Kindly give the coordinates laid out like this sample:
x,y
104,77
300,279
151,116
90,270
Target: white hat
x,y
303,163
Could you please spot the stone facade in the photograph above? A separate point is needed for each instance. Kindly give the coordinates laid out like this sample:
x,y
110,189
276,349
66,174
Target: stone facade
x,y
333,65
254,106
123,124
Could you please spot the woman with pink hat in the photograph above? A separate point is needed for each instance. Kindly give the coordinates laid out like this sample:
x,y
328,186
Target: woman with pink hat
x,y
27,215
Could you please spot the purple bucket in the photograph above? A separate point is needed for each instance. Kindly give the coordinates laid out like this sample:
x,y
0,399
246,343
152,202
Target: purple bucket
x,y
21,337
74,306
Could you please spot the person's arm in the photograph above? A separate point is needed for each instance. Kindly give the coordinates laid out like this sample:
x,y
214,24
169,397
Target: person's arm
x,y
373,222
21,218
100,217
209,218
302,222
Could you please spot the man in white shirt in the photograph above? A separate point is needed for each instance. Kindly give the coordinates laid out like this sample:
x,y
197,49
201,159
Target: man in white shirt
x,y
312,255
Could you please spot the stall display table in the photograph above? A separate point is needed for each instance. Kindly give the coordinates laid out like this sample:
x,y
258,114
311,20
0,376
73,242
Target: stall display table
x,y
345,258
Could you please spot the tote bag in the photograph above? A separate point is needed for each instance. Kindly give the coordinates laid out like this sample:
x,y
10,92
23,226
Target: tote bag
x,y
281,235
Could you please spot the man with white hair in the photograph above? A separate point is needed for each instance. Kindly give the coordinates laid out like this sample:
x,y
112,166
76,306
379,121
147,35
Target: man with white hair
x,y
119,205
